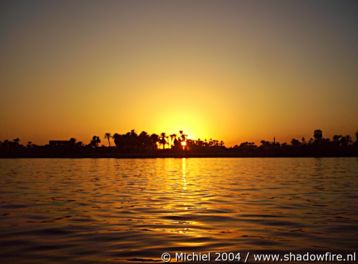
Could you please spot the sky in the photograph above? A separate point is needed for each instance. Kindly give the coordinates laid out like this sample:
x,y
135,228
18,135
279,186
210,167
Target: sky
x,y
230,70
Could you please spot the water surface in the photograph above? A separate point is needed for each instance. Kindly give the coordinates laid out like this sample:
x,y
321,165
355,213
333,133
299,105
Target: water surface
x,y
132,210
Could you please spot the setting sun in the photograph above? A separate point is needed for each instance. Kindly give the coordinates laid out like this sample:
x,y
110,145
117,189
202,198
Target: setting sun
x,y
194,123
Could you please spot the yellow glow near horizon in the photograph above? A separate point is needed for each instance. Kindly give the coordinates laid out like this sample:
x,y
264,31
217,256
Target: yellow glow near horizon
x,y
228,70
193,125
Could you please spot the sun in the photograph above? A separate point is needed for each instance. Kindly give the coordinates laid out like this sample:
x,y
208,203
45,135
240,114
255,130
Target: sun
x,y
193,124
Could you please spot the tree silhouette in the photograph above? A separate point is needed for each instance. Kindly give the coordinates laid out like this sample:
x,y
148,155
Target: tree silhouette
x,y
95,141
131,144
183,136
154,139
72,141
108,137
163,139
318,135
116,139
172,139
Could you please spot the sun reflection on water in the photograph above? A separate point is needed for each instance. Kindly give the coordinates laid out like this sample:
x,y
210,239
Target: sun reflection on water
x,y
183,173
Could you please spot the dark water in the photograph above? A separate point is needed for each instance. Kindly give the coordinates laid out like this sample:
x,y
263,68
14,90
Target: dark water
x,y
111,210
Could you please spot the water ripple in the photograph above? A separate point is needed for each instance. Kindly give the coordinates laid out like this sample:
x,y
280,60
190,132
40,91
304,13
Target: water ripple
x,y
116,211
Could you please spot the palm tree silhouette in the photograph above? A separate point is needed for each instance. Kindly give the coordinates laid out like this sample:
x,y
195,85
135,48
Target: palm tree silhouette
x,y
108,137
182,136
163,140
172,139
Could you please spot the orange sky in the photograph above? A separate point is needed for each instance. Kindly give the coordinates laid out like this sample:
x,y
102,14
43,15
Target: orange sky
x,y
231,70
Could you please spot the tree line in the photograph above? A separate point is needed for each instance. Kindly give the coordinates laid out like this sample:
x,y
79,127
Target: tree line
x,y
145,144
